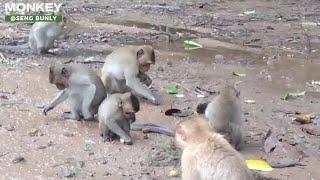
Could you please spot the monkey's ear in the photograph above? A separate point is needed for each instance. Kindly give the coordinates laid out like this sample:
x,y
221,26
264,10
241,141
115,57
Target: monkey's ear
x,y
120,104
237,93
64,71
140,53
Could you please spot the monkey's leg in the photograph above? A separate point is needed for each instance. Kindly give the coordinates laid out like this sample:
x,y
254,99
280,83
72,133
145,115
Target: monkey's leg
x,y
75,103
105,132
87,102
112,124
60,97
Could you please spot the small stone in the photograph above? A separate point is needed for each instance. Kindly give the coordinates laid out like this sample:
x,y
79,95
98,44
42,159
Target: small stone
x,y
219,57
107,174
169,64
10,128
18,159
68,134
160,68
35,132
70,174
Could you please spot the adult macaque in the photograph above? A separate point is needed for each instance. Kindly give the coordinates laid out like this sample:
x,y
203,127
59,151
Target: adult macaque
x,y
125,69
224,115
206,154
41,37
115,115
81,86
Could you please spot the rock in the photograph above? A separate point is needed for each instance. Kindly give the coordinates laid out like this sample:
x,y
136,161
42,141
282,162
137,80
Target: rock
x,y
160,68
219,58
70,174
10,128
18,159
35,132
68,134
107,174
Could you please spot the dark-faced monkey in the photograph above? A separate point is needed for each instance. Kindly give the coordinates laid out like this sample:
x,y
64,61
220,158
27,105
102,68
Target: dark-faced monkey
x,y
207,155
115,115
81,86
125,70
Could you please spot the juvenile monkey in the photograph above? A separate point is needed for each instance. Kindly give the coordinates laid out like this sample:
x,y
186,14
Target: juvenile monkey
x,y
81,86
41,37
207,155
125,68
43,34
115,115
224,115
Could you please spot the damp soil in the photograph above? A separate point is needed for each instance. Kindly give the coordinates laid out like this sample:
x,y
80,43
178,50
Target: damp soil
x,y
277,48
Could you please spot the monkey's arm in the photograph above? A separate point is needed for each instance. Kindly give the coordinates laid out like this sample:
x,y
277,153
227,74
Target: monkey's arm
x,y
149,127
134,83
113,125
61,96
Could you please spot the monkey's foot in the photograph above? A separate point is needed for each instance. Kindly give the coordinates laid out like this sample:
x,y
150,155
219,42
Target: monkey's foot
x,y
70,116
90,118
126,142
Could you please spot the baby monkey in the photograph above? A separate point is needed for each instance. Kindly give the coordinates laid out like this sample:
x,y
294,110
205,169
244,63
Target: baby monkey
x,y
115,115
81,86
207,155
125,70
224,115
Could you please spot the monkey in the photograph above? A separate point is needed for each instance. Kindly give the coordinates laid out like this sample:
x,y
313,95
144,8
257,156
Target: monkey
x,y
115,115
41,37
224,115
125,70
206,155
81,86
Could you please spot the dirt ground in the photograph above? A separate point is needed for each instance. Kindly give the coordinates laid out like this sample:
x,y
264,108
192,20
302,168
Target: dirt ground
x,y
277,47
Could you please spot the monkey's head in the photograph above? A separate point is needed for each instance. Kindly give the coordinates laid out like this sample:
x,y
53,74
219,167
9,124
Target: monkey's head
x,y
231,91
190,130
59,75
146,57
129,104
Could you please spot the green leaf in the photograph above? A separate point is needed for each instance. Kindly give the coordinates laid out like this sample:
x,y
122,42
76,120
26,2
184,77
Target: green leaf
x,y
238,74
191,45
172,89
249,11
286,95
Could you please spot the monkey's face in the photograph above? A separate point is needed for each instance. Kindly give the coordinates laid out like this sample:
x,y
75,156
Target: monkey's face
x,y
58,75
146,57
130,104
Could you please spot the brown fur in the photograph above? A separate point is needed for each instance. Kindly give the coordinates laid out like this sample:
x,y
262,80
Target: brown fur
x,y
206,154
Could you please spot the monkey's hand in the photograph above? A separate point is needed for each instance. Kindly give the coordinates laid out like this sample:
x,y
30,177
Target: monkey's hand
x,y
46,109
155,101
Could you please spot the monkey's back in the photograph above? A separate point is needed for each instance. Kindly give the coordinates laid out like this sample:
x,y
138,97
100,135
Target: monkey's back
x,y
109,107
223,110
90,77
217,160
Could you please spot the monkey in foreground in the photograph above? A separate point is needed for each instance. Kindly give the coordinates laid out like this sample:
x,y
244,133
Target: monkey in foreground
x,y
115,115
81,86
224,115
125,70
206,154
41,37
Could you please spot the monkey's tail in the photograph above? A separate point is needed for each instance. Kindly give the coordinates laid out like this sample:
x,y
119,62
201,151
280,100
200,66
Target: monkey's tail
x,y
201,108
152,128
